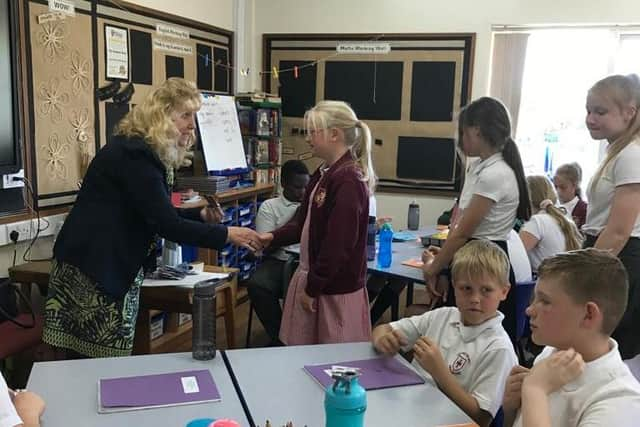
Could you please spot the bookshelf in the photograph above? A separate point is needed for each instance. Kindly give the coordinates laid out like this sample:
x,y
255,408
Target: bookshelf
x,y
260,117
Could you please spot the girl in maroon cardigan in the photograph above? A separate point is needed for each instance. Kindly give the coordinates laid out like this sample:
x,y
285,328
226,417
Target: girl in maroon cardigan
x,y
567,182
327,299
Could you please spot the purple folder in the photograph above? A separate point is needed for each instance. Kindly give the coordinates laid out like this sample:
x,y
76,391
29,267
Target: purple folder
x,y
148,391
381,372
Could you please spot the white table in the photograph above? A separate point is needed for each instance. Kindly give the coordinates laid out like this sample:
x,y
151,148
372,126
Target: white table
x,y
70,389
276,388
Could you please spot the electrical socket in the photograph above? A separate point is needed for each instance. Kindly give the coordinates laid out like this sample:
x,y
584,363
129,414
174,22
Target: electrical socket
x,y
9,182
26,231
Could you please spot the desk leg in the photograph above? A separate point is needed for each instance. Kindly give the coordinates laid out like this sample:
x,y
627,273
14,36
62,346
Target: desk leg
x,y
409,293
230,317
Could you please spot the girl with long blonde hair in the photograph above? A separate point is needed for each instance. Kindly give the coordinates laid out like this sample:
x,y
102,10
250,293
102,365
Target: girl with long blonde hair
x,y
613,214
327,300
548,231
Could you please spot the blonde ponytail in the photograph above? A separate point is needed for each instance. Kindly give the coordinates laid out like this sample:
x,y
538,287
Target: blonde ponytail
x,y
543,198
357,135
623,91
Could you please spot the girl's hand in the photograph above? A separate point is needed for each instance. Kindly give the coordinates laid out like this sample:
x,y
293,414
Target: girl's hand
x,y
308,303
211,214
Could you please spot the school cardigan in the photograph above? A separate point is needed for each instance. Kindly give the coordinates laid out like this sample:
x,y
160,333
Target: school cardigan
x,y
123,203
579,213
337,229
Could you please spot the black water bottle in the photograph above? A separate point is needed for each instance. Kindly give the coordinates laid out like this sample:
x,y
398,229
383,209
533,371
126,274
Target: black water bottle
x,y
204,321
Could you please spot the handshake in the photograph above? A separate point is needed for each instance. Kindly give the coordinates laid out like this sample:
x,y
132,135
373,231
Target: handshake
x,y
248,238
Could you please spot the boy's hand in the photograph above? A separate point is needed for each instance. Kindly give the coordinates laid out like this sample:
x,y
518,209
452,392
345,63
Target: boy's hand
x,y
555,371
391,342
429,357
513,388
29,407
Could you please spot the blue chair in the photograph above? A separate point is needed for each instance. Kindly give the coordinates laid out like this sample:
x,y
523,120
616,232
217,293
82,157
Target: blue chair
x,y
524,290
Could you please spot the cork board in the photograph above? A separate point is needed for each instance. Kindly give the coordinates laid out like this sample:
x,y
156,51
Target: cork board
x,y
66,64
413,93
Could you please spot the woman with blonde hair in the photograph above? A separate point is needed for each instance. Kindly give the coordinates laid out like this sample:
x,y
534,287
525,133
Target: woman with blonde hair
x,y
124,202
548,231
327,300
613,214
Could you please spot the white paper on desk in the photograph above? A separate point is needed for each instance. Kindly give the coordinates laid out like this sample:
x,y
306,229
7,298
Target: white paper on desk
x,y
188,281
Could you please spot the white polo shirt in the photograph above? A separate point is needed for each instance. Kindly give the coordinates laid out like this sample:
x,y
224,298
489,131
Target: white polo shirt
x,y
480,357
518,257
605,394
494,179
8,415
273,214
624,169
551,240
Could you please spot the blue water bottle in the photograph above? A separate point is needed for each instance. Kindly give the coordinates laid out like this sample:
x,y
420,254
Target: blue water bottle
x,y
384,251
345,401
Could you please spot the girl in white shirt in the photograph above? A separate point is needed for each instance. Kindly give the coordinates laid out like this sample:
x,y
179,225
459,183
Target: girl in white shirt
x,y
548,232
567,182
494,195
21,408
613,214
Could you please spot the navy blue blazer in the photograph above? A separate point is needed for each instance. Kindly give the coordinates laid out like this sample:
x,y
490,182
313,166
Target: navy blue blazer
x,y
123,203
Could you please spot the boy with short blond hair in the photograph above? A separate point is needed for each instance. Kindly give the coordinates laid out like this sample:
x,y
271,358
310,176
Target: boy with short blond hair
x,y
464,349
579,379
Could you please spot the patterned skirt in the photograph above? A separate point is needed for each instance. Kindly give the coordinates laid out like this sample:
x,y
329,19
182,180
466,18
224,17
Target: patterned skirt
x,y
82,318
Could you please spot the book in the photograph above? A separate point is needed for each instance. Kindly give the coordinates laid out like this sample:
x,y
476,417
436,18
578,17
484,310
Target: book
x,y
376,373
153,391
413,262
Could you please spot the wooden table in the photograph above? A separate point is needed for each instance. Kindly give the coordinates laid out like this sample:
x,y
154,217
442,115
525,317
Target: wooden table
x,y
170,299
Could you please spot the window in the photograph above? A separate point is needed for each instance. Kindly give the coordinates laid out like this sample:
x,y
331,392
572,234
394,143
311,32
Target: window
x,y
560,67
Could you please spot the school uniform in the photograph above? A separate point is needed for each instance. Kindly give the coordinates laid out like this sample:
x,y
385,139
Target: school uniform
x,y
480,357
551,240
621,171
494,179
8,415
267,285
605,394
331,226
576,209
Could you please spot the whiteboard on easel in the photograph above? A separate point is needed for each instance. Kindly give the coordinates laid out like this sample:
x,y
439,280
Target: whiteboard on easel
x,y
220,133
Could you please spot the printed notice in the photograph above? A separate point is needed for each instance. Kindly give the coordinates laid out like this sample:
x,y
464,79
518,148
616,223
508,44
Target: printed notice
x,y
367,48
62,6
172,47
169,31
117,52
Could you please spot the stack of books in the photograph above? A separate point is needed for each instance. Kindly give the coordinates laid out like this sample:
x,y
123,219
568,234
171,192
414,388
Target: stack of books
x,y
204,184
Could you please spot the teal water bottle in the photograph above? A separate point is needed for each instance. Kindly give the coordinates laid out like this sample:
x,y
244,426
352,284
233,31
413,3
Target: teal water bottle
x,y
345,401
384,250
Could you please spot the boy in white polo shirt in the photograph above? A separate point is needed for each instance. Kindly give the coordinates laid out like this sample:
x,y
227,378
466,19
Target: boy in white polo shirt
x,y
464,349
579,379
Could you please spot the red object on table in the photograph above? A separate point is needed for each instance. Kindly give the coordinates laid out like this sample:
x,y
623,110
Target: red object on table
x,y
176,200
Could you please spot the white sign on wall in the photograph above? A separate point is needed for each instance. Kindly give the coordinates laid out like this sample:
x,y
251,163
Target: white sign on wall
x,y
365,48
172,47
169,31
62,6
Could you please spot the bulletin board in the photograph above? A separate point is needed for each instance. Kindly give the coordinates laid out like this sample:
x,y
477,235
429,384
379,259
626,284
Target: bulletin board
x,y
409,96
113,46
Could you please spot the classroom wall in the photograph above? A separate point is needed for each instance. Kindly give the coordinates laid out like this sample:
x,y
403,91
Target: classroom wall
x,y
424,16
219,13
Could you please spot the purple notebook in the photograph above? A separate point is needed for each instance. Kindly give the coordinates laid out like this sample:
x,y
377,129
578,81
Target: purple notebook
x,y
149,391
381,372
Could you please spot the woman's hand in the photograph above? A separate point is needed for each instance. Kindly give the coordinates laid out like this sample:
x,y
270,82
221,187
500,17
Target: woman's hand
x,y
265,239
245,237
